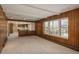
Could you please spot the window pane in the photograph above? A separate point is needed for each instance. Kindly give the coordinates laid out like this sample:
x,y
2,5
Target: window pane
x,y
54,27
64,27
51,28
46,27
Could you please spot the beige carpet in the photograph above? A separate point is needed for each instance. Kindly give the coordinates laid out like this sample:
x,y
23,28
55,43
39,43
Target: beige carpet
x,y
34,44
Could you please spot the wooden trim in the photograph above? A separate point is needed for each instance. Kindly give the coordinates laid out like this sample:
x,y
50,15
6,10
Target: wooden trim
x,y
19,20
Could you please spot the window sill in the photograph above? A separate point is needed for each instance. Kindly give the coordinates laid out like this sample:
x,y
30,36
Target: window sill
x,y
57,36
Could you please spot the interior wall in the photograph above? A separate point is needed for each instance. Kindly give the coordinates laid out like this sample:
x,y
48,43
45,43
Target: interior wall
x,y
73,29
3,28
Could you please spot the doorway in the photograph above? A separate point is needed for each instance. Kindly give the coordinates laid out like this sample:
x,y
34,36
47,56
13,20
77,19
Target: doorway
x,y
10,28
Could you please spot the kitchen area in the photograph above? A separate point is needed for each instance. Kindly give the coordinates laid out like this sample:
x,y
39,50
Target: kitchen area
x,y
18,29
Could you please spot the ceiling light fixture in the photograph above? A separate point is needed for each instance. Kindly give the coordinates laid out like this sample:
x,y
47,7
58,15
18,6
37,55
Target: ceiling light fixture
x,y
24,18
11,17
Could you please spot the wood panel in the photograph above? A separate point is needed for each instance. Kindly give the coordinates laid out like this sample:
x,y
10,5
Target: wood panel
x,y
73,29
3,28
39,29
26,33
77,27
21,20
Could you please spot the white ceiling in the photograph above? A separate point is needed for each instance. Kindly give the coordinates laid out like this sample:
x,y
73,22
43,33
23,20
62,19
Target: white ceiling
x,y
33,12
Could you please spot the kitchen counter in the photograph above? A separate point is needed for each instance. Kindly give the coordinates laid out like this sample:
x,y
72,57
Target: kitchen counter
x,y
25,32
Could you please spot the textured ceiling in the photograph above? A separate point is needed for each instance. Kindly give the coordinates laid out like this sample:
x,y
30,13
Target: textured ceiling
x,y
33,12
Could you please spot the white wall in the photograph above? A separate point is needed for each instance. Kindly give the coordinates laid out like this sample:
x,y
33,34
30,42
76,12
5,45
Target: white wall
x,y
15,27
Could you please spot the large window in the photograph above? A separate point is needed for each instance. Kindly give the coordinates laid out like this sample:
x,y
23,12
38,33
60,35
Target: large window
x,y
57,27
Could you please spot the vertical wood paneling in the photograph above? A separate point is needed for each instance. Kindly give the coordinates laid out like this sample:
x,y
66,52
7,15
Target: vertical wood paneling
x,y
3,28
73,29
77,27
38,29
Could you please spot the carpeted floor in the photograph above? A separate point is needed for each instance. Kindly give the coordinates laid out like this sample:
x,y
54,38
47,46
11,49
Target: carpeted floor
x,y
34,44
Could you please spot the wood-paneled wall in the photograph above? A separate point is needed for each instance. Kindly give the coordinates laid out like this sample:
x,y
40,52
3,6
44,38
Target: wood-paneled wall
x,y
3,28
73,29
39,30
